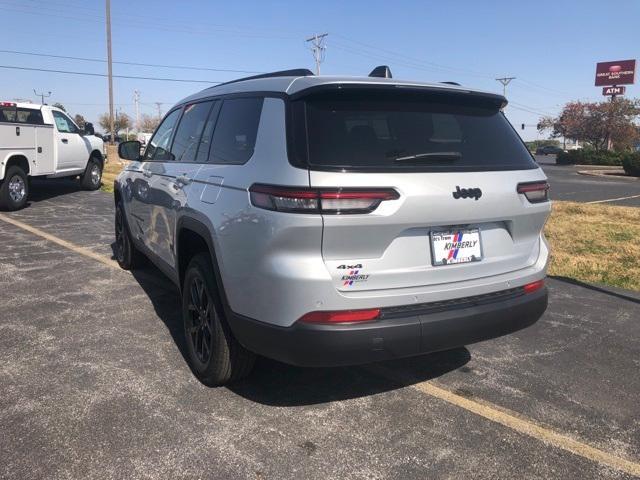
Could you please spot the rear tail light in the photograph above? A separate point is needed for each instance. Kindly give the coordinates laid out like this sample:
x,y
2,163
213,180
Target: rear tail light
x,y
533,286
337,201
341,316
535,192
7,104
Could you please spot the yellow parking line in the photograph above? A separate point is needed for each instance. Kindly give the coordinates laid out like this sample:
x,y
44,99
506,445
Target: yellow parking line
x,y
520,424
483,409
63,243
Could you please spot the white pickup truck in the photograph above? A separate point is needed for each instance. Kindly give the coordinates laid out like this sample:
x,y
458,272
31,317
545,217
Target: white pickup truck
x,y
42,141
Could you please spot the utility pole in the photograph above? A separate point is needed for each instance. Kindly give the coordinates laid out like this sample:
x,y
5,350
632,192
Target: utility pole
x,y
159,107
110,70
505,81
318,48
42,96
136,102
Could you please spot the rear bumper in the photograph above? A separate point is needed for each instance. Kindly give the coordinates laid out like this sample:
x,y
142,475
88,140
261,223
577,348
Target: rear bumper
x,y
400,332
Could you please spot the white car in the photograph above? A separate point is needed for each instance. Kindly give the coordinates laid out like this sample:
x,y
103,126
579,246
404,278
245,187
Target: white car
x,y
42,141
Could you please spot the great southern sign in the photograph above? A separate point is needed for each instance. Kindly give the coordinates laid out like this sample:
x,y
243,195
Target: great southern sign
x,y
622,72
613,90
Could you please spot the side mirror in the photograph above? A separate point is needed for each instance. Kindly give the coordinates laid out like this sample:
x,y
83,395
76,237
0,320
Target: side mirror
x,y
129,150
88,129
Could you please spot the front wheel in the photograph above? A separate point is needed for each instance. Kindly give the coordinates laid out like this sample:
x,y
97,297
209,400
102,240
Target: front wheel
x,y
14,189
91,179
215,356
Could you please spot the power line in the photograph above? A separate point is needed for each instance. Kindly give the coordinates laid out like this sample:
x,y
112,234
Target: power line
x,y
99,60
91,74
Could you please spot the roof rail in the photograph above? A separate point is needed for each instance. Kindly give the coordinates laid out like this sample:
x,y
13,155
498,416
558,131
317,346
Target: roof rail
x,y
296,72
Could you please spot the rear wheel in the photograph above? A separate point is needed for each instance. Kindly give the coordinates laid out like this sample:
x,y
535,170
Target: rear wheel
x,y
125,252
215,356
91,179
14,189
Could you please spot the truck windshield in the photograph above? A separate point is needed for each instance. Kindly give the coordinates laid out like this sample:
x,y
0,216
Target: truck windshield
x,y
361,130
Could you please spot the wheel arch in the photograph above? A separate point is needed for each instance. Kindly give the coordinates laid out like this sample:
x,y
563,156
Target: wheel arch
x,y
193,236
18,159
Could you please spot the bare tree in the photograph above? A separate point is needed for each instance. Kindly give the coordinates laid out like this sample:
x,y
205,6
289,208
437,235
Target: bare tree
x,y
79,119
148,123
121,122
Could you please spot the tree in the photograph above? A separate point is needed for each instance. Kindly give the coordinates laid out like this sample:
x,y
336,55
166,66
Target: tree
x,y
120,122
598,123
60,106
148,123
79,119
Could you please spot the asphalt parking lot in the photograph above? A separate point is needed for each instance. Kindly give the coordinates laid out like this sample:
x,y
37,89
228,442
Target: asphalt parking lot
x,y
567,184
95,385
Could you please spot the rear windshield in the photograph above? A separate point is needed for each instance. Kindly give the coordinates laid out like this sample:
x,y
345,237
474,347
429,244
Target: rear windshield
x,y
419,132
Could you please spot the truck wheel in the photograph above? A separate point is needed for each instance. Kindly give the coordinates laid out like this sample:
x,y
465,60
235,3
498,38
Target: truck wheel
x,y
14,189
125,252
92,177
215,356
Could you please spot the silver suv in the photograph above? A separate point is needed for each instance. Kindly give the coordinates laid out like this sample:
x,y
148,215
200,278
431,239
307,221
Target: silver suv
x,y
327,221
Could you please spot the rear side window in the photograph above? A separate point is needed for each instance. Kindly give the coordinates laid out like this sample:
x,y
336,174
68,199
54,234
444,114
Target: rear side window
x,y
361,130
234,138
29,115
158,148
7,114
187,139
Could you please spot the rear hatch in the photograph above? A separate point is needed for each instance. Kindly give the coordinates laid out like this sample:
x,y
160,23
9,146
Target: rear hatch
x,y
455,163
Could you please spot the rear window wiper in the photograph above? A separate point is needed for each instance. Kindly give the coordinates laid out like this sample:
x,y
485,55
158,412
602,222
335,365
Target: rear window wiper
x,y
430,156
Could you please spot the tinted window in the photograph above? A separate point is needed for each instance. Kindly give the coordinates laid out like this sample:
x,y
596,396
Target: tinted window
x,y
64,123
235,134
392,131
205,141
7,114
187,138
28,115
158,148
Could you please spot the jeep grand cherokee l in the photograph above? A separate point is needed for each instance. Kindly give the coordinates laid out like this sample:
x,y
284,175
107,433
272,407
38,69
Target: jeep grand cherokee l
x,y
328,221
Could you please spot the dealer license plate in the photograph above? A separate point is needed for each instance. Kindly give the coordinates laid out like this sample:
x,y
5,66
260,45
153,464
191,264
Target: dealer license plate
x,y
456,246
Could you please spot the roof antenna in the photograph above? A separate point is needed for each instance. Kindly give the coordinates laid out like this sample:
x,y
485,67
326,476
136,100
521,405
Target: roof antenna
x,y
381,71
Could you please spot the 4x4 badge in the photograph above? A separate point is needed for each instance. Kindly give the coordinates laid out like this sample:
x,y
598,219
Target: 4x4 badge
x,y
467,193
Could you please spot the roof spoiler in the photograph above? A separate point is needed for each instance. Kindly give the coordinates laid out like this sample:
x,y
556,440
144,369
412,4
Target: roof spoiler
x,y
381,71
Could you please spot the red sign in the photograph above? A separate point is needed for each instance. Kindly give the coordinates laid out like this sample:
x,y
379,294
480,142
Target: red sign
x,y
613,90
622,72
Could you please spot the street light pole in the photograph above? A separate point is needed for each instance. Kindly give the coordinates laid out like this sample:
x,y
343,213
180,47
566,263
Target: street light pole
x,y
110,70
42,96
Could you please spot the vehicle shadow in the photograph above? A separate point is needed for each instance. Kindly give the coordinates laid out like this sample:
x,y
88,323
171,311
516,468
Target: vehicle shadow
x,y
277,384
41,190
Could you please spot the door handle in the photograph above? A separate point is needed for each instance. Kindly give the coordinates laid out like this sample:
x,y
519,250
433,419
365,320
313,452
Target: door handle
x,y
183,180
64,140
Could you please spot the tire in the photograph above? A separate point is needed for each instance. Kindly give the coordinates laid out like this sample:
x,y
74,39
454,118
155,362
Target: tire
x,y
14,189
215,356
91,179
125,252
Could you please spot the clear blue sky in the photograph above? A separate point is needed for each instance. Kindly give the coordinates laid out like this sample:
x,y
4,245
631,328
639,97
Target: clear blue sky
x,y
550,46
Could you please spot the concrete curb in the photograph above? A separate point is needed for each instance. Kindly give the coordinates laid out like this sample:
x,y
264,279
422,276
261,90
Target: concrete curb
x,y
613,174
